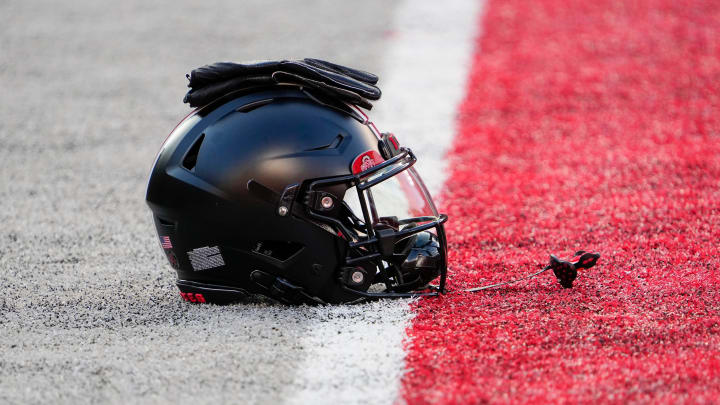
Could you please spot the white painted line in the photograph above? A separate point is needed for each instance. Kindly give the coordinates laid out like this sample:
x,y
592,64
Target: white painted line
x,y
425,78
355,353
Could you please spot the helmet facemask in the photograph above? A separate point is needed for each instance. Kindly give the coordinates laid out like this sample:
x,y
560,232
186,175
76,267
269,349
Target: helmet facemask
x,y
393,233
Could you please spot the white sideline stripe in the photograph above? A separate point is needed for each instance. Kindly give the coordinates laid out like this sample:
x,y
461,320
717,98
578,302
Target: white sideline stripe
x,y
355,354
425,80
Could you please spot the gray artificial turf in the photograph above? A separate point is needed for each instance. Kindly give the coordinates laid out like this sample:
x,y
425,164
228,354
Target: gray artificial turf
x,y
88,309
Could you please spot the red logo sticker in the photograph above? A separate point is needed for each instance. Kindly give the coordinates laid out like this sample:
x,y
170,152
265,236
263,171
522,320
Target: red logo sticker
x,y
365,161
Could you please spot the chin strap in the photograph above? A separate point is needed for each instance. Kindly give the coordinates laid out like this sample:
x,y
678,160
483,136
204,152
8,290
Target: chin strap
x,y
564,270
284,291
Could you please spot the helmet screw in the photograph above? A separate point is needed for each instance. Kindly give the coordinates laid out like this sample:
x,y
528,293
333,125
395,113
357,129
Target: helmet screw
x,y
326,202
357,277
282,210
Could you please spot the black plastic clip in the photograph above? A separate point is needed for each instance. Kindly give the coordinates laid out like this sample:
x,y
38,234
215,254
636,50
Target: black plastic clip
x,y
566,271
389,145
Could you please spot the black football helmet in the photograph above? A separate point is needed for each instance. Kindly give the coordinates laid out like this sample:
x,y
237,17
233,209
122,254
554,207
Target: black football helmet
x,y
280,191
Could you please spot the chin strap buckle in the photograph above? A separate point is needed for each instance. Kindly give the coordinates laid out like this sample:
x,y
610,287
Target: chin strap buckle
x,y
566,271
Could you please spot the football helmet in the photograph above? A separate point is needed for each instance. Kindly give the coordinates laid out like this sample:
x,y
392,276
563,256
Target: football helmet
x,y
281,191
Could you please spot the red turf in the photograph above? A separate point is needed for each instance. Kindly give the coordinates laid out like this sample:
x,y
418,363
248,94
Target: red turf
x,y
587,125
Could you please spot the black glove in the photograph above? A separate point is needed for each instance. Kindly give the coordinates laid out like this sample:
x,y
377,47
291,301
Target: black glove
x,y
347,84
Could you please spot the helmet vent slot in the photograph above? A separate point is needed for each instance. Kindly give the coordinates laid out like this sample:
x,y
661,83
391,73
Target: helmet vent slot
x,y
191,157
277,249
332,145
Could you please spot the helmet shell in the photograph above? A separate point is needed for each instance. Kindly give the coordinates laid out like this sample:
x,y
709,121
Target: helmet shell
x,y
201,199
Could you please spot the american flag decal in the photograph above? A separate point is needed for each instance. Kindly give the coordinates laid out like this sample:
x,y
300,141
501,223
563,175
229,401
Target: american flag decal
x,y
165,242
